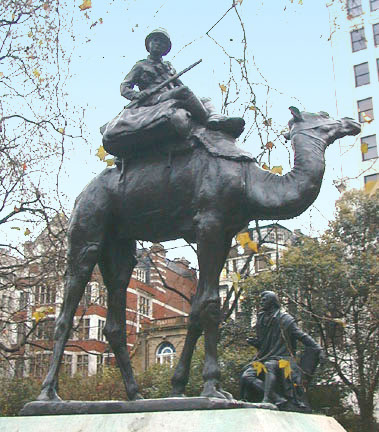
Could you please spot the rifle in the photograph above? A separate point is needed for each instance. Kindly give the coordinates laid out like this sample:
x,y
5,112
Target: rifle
x,y
156,89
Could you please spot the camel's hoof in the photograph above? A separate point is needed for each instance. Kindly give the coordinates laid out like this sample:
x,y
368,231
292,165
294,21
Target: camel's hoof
x,y
137,396
48,395
177,394
213,394
227,395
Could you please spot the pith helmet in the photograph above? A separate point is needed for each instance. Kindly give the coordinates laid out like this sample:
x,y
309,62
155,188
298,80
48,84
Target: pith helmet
x,y
164,35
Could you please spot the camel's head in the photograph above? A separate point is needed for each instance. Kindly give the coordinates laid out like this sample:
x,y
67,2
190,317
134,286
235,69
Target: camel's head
x,y
321,126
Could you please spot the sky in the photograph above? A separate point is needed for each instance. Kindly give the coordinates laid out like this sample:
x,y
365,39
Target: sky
x,y
288,49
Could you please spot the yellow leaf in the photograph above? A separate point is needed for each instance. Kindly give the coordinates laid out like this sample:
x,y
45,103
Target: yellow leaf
x,y
13,16
252,108
270,261
285,364
16,228
110,162
371,187
243,238
42,312
36,73
101,20
236,277
16,209
1,74
259,367
277,170
366,117
61,130
267,122
30,34
265,167
46,6
101,153
364,147
87,4
223,87
239,1
300,2
270,145
253,246
27,232
340,322
37,316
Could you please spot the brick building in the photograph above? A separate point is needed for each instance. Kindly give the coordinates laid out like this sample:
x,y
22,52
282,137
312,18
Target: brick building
x,y
159,291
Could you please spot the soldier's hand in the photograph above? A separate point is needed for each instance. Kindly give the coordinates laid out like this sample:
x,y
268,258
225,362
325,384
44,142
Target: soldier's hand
x,y
142,95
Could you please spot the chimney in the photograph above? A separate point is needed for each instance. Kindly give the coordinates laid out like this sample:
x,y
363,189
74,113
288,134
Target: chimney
x,y
157,256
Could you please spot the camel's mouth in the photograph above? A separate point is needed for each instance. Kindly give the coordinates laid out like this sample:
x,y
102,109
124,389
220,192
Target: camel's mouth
x,y
353,127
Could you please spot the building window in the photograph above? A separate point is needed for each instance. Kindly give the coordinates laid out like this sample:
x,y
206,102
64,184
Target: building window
x,y
165,354
369,147
102,299
21,332
39,364
45,295
141,274
260,263
24,299
375,29
45,330
358,40
83,329
354,8
86,299
144,305
100,331
371,182
374,5
67,364
365,110
99,364
82,364
362,75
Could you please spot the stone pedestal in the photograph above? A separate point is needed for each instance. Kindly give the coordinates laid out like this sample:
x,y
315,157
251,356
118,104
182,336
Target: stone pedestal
x,y
201,415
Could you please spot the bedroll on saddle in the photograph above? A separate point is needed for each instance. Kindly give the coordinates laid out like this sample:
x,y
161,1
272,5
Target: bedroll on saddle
x,y
135,129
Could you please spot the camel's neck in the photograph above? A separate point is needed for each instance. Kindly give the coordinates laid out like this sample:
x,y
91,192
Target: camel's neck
x,y
282,197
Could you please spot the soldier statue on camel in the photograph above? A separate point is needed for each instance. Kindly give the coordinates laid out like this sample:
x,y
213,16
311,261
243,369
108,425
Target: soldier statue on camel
x,y
163,107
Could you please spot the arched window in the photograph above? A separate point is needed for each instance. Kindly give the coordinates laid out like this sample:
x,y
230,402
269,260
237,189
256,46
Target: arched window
x,y
165,353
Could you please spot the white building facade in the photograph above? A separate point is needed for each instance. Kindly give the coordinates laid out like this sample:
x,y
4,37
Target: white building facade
x,y
354,37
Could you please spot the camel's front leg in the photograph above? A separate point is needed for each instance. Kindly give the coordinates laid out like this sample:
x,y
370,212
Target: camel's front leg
x,y
213,247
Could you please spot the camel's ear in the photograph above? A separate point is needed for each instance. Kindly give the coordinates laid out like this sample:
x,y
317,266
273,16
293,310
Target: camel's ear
x,y
296,113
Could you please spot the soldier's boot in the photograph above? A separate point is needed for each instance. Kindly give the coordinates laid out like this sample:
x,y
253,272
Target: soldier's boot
x,y
233,126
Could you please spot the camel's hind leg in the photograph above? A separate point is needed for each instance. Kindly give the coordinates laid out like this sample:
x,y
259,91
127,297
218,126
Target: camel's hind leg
x,y
82,255
116,265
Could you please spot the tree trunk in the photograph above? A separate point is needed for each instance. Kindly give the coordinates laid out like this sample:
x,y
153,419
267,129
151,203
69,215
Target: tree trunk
x,y
366,414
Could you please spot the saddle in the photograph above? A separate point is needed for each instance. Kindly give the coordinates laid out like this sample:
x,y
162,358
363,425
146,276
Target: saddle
x,y
135,132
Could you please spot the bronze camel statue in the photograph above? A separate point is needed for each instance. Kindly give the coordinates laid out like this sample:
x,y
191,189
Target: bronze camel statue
x,y
200,198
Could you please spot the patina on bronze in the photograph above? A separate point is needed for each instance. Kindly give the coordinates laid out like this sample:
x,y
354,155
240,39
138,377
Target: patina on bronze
x,y
182,188
276,337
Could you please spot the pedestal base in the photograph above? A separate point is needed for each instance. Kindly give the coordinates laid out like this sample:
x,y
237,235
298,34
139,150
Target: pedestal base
x,y
239,420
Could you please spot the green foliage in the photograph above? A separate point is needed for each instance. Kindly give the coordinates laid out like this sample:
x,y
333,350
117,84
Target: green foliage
x,y
15,393
330,286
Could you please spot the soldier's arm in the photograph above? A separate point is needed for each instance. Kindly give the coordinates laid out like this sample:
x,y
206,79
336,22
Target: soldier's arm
x,y
172,71
129,82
